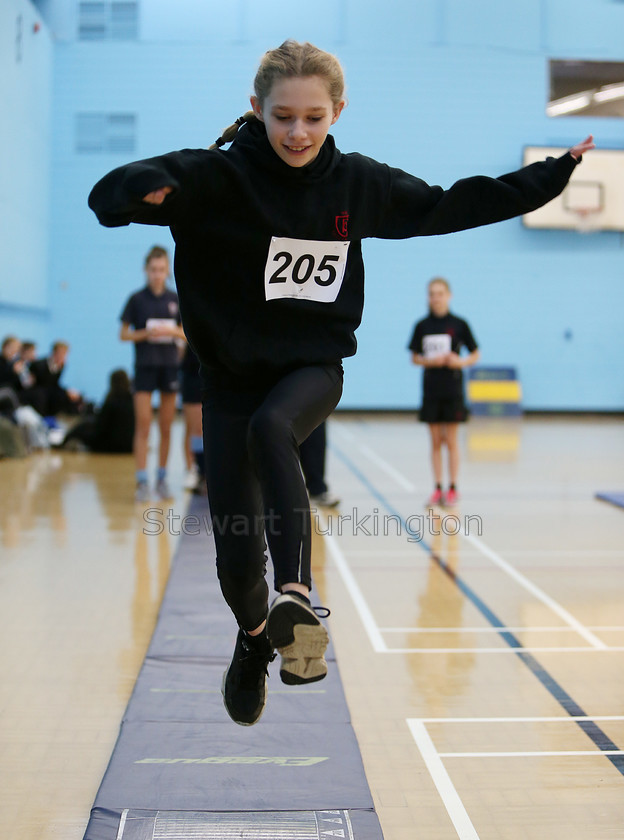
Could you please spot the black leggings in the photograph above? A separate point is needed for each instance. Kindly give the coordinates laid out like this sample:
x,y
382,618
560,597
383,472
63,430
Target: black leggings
x,y
252,432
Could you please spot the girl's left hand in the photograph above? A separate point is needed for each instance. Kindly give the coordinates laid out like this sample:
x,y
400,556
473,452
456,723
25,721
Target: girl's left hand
x,y
453,360
162,331
582,147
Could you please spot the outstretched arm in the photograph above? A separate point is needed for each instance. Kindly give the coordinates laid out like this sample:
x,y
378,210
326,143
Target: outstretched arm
x,y
150,191
416,209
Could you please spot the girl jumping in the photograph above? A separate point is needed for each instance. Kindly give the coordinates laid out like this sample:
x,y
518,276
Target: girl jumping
x,y
268,267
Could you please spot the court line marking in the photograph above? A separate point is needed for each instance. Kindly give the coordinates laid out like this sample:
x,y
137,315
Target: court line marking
x,y
400,479
535,590
406,551
353,588
374,632
607,628
528,753
524,649
459,629
441,779
533,719
555,689
338,427
495,558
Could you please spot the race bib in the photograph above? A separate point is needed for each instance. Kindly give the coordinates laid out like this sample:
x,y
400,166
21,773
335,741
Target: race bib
x,y
436,345
307,269
152,323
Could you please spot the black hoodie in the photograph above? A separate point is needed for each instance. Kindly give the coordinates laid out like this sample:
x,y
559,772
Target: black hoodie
x,y
250,304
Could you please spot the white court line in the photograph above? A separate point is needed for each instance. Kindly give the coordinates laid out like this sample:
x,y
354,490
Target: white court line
x,y
533,754
535,590
613,627
433,759
565,552
523,649
557,719
387,468
400,479
441,779
336,428
549,629
366,616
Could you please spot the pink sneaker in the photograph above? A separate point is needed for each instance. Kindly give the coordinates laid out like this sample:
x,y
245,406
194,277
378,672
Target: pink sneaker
x,y
435,498
451,497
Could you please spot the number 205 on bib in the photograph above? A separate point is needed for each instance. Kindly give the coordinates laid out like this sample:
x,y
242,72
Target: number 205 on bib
x,y
307,269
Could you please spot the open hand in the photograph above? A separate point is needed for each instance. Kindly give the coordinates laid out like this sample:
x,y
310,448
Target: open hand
x,y
584,146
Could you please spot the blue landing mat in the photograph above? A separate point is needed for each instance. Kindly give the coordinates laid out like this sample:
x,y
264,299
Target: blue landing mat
x,y
614,498
268,825
181,768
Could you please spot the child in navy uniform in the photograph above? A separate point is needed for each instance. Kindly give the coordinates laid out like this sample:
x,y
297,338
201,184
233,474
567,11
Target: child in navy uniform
x,y
436,344
269,271
151,319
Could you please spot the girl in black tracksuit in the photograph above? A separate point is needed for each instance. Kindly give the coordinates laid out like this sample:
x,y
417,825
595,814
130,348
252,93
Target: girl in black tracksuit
x,y
269,272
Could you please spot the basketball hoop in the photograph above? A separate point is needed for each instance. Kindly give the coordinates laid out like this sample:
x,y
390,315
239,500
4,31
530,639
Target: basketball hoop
x,y
587,218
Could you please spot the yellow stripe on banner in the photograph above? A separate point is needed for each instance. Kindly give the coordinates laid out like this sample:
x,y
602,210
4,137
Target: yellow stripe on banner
x,y
494,443
509,391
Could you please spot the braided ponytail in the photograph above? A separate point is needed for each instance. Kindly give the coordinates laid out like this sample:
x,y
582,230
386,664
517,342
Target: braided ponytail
x,y
229,133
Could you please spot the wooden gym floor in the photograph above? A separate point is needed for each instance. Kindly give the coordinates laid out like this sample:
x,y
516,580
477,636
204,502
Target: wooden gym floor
x,y
481,648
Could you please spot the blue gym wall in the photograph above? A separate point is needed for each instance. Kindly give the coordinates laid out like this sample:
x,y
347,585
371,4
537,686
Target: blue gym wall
x,y
441,88
25,136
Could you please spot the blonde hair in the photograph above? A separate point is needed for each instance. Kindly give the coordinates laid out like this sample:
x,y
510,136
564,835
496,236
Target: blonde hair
x,y
441,280
295,60
289,61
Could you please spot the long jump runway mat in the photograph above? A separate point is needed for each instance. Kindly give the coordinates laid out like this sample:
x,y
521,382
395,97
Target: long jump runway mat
x,y
182,769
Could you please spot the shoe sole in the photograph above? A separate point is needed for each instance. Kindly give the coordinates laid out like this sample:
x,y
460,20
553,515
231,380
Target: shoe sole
x,y
239,722
300,639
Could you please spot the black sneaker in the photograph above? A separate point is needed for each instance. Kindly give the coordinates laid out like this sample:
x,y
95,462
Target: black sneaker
x,y
244,682
294,629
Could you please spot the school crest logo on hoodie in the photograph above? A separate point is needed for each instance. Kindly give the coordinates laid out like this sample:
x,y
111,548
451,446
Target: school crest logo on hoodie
x,y
342,223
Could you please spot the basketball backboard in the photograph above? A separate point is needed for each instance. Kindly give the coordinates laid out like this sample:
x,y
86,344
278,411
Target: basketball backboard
x,y
594,197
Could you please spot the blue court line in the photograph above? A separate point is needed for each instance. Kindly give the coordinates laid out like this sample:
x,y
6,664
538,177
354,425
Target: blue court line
x,y
616,499
567,703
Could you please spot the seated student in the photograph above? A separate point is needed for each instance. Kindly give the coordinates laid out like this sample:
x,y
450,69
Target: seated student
x,y
53,398
27,356
111,429
10,385
17,383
